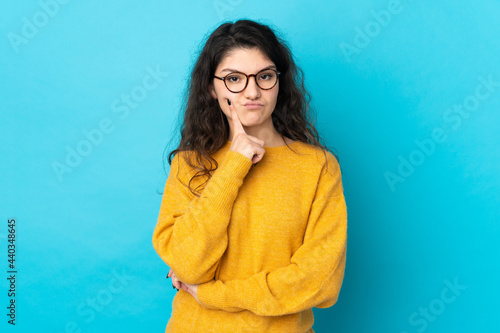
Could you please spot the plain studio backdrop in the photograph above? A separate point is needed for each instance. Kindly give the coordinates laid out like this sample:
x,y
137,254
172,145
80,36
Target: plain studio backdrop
x,y
407,92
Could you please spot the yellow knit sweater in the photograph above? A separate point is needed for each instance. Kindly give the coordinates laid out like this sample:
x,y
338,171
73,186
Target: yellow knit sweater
x,y
265,243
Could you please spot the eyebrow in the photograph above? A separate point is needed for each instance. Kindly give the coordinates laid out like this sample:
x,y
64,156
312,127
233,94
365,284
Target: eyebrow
x,y
235,70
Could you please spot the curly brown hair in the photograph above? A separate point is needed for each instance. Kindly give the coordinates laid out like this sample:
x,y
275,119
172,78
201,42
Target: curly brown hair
x,y
205,128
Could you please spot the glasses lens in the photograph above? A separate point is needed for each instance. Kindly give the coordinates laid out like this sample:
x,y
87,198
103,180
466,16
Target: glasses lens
x,y
267,79
236,81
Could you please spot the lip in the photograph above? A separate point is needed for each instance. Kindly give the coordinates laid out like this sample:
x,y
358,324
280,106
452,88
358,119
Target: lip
x,y
253,105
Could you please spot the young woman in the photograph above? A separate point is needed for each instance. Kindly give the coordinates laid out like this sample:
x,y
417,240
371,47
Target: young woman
x,y
253,221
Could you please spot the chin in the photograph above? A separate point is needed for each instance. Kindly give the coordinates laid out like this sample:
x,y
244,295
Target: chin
x,y
251,121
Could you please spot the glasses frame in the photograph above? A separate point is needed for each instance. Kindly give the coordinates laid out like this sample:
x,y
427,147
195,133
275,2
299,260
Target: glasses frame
x,y
248,79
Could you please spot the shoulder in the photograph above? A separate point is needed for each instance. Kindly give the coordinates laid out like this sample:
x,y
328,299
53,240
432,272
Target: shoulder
x,y
182,166
323,168
317,157
190,163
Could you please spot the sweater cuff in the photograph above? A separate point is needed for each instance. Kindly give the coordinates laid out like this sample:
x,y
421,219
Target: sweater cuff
x,y
204,292
235,166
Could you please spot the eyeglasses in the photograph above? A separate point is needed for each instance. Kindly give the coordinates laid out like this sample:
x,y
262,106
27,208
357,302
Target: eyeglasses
x,y
237,82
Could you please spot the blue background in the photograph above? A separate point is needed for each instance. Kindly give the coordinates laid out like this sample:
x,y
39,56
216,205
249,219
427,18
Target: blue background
x,y
438,224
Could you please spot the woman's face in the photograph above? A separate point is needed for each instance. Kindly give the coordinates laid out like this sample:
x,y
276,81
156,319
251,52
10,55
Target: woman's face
x,y
255,120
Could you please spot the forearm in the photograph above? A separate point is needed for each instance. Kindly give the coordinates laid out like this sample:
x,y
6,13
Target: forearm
x,y
273,293
192,237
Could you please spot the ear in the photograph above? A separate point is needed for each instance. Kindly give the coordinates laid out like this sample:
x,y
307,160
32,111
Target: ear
x,y
212,90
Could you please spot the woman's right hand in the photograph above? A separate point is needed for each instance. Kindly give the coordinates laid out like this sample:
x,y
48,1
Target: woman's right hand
x,y
176,283
245,144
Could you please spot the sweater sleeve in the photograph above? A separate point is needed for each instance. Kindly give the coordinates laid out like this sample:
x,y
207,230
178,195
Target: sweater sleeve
x,y
313,277
191,233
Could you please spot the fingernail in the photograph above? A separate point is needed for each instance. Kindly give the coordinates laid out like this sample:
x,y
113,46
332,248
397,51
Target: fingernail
x,y
177,289
168,276
228,102
173,286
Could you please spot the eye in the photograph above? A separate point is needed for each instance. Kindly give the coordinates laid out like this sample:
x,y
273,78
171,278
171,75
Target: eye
x,y
266,76
234,78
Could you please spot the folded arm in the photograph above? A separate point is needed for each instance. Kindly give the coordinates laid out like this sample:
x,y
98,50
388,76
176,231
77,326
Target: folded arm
x,y
315,273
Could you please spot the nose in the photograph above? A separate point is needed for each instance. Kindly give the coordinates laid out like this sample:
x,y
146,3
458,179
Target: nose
x,y
252,90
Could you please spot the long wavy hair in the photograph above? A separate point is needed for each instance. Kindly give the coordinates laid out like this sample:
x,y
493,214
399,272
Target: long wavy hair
x,y
205,128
